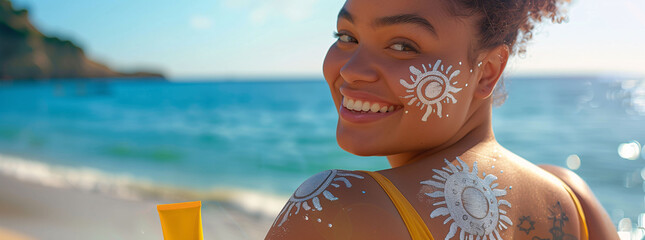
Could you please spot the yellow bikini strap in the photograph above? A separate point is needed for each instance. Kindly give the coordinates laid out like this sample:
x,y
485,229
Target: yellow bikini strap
x,y
417,228
584,232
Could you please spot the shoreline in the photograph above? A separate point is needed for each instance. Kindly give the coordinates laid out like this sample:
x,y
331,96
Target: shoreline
x,y
41,212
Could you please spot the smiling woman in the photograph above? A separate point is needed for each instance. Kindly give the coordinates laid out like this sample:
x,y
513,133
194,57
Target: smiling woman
x,y
413,80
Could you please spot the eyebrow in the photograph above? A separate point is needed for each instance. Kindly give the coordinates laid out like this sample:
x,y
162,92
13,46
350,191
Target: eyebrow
x,y
346,15
406,19
393,20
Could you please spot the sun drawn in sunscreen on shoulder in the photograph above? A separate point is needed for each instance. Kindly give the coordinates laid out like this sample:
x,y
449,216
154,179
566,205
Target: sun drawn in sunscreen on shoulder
x,y
471,203
431,88
307,195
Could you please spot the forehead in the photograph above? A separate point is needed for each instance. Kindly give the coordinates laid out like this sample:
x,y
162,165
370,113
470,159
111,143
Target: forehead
x,y
364,11
456,34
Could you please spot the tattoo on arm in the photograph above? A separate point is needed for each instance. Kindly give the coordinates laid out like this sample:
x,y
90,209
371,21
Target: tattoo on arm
x,y
558,218
526,224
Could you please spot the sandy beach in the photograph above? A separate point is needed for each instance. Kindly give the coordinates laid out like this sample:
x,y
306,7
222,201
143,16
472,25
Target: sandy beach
x,y
33,211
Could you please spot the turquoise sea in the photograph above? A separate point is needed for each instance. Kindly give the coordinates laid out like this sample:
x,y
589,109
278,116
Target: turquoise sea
x,y
267,136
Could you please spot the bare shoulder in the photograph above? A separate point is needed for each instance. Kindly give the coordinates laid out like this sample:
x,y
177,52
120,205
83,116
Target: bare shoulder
x,y
598,221
570,178
338,204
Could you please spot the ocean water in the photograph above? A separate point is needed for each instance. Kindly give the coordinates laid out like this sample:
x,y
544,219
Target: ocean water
x,y
266,137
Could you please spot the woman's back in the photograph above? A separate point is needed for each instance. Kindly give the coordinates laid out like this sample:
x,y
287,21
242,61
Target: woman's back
x,y
499,194
496,196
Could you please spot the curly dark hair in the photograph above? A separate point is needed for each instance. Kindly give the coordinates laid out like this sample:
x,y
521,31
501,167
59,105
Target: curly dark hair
x,y
508,22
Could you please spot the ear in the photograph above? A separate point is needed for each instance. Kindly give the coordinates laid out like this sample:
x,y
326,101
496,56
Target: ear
x,y
491,69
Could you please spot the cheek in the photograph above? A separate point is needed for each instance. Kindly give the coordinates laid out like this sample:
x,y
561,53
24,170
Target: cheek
x,y
430,133
331,70
334,61
433,91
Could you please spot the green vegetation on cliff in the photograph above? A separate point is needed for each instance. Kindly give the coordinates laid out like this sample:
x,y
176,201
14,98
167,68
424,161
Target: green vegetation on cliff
x,y
26,53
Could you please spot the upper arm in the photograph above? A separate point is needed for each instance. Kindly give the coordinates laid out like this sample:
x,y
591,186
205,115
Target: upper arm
x,y
337,204
598,222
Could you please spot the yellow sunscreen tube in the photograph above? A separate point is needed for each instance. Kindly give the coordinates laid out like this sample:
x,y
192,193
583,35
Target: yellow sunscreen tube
x,y
181,221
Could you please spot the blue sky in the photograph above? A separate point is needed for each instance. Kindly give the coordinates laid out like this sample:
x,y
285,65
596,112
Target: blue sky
x,y
257,38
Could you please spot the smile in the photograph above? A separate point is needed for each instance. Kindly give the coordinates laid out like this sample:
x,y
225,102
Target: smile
x,y
360,110
366,106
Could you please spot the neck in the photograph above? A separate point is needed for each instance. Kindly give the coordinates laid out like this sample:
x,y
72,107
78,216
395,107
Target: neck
x,y
477,129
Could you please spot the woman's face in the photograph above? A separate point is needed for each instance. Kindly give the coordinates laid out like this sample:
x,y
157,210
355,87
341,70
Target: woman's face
x,y
409,60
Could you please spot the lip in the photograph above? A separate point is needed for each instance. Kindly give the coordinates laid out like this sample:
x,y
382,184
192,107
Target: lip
x,y
364,117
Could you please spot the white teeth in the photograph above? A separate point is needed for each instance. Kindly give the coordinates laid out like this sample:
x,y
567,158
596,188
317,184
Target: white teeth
x,y
366,106
357,105
375,107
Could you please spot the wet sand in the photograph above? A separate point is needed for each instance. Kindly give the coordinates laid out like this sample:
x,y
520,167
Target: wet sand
x,y
33,211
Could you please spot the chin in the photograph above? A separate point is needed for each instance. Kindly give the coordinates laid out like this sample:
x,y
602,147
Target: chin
x,y
362,151
360,145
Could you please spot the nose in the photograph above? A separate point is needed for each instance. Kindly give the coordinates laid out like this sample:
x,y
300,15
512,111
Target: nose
x,y
359,67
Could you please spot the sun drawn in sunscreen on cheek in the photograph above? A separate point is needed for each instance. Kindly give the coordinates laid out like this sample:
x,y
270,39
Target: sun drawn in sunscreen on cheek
x,y
431,88
306,196
471,203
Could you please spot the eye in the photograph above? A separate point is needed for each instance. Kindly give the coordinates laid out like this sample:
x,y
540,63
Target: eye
x,y
345,38
403,47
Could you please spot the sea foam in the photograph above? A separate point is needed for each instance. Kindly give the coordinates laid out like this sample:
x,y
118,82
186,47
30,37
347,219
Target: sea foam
x,y
128,187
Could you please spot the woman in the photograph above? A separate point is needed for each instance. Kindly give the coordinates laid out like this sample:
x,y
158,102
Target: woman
x,y
413,80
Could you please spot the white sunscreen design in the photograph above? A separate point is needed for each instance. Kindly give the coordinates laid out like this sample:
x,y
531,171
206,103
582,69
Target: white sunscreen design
x,y
471,203
306,196
431,87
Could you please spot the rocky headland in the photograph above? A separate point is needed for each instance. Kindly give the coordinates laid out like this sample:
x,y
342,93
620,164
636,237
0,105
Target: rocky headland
x,y
26,53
